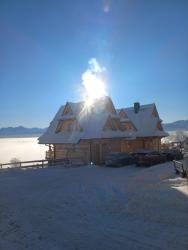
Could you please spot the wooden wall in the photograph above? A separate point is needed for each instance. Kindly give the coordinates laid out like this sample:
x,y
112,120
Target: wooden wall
x,y
96,150
72,151
100,148
150,143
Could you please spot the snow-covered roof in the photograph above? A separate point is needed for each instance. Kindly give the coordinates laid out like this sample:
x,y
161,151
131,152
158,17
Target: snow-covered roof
x,y
144,121
92,123
76,107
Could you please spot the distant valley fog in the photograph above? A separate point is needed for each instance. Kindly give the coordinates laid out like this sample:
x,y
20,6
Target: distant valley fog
x,y
25,149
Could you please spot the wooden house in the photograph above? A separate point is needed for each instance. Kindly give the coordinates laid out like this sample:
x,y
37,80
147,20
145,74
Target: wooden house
x,y
91,132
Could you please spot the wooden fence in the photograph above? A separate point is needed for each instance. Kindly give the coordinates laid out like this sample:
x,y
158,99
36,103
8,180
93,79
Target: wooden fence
x,y
180,168
34,164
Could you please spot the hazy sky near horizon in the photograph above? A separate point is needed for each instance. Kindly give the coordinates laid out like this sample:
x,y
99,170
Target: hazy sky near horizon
x,y
45,47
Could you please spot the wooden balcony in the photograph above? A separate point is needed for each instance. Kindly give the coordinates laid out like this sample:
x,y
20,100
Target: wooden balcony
x,y
50,155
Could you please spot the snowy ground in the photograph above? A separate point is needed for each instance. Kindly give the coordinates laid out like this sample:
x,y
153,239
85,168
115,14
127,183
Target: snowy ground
x,y
93,208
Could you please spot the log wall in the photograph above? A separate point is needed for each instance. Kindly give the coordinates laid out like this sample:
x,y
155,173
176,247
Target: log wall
x,y
149,143
95,150
72,151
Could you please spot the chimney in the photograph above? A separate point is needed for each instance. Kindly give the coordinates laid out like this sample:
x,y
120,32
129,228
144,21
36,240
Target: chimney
x,y
136,107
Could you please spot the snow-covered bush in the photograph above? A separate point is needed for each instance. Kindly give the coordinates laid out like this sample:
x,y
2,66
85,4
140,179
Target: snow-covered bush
x,y
15,162
176,136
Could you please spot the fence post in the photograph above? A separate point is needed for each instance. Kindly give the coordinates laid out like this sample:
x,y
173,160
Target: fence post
x,y
186,165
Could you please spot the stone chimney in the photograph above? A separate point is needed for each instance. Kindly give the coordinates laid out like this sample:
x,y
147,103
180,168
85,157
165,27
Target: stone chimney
x,y
136,107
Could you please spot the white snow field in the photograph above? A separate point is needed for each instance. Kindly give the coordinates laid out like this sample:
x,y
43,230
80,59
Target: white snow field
x,y
93,208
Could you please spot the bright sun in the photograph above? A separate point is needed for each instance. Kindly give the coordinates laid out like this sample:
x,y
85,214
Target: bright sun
x,y
94,86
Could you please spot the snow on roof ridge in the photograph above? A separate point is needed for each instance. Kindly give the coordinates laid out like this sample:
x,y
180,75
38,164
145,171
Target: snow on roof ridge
x,y
93,124
141,106
80,102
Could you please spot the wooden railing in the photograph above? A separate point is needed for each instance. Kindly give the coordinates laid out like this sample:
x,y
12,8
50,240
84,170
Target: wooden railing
x,y
49,155
179,168
34,164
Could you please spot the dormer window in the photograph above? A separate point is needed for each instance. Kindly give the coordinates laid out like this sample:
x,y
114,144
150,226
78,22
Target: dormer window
x,y
68,126
127,126
112,124
159,126
122,114
67,110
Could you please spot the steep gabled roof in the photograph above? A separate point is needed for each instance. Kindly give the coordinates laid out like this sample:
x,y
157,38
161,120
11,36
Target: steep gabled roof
x,y
76,107
144,121
93,122
50,136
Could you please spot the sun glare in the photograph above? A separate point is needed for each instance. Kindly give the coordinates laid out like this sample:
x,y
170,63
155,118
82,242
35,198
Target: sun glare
x,y
94,86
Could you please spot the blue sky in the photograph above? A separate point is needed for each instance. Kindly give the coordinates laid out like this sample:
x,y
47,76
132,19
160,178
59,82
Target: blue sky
x,y
45,47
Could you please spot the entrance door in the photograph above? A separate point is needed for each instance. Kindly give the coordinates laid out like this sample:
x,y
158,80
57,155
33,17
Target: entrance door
x,y
105,152
96,154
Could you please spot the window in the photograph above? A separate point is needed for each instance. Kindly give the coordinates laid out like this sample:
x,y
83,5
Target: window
x,y
127,126
122,114
68,125
159,126
112,124
67,110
